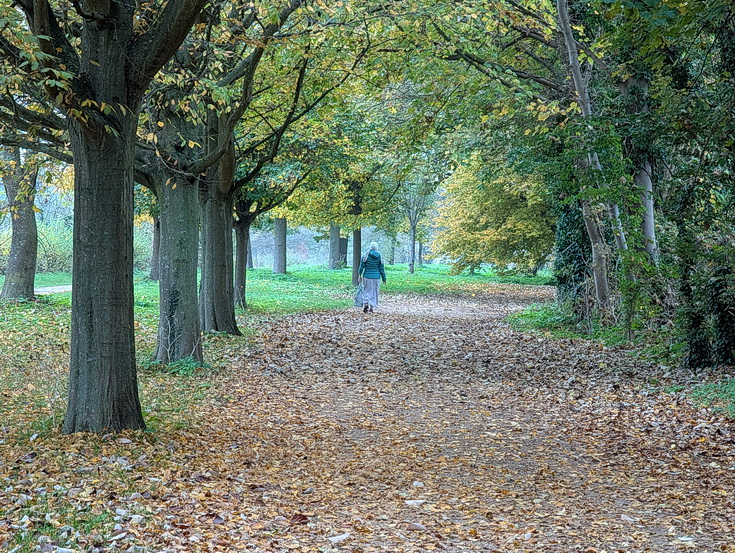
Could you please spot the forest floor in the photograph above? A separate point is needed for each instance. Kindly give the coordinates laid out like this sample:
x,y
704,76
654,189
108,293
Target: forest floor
x,y
430,425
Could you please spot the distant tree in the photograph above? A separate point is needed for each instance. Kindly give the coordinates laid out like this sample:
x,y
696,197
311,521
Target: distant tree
x,y
19,179
487,216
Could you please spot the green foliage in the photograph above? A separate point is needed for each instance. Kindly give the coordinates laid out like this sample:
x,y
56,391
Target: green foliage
x,y
719,395
55,247
183,367
657,345
572,255
491,215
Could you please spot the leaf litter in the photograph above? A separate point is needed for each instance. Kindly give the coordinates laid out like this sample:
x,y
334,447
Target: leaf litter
x,y
430,425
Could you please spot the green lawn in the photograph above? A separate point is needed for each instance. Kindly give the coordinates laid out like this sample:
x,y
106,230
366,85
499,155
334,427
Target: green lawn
x,y
313,288
47,279
309,288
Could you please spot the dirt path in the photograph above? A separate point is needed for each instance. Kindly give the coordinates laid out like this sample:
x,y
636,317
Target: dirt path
x,y
428,426
431,425
44,290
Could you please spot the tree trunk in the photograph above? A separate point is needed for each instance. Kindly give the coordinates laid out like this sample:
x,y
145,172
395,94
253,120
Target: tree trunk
x,y
216,289
334,259
279,246
20,189
421,254
599,261
155,248
113,62
635,90
392,258
612,208
250,264
411,248
242,250
343,243
645,184
356,254
103,383
179,334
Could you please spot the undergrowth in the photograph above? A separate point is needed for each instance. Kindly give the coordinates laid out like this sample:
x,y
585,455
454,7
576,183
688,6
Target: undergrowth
x,y
662,346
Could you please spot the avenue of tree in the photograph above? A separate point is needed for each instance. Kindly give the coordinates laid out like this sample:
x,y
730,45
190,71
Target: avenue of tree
x,y
596,135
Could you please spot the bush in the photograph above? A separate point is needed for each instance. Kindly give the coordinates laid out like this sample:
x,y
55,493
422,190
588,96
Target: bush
x,y
54,246
142,245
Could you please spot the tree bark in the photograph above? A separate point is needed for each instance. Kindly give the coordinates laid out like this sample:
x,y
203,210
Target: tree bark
x,y
334,259
392,258
356,254
343,243
112,65
250,264
645,185
599,261
103,383
242,251
635,89
20,189
179,334
279,246
421,254
155,248
411,249
216,289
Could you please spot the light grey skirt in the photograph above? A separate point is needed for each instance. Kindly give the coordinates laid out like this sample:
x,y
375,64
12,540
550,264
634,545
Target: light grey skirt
x,y
370,289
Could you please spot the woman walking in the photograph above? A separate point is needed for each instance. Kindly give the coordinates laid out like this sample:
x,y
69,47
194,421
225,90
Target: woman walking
x,y
371,272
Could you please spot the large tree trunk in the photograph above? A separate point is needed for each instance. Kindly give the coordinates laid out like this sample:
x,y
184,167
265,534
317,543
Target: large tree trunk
x,y
20,189
411,248
103,384
279,246
242,250
216,289
334,260
179,335
155,248
113,63
356,254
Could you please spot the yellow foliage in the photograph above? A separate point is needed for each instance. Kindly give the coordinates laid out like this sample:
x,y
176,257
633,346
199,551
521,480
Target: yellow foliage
x,y
491,216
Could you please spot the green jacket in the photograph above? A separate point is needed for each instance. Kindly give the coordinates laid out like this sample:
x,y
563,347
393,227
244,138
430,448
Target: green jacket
x,y
372,266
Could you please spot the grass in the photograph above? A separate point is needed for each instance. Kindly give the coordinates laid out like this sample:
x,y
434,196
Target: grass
x,y
43,280
310,288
